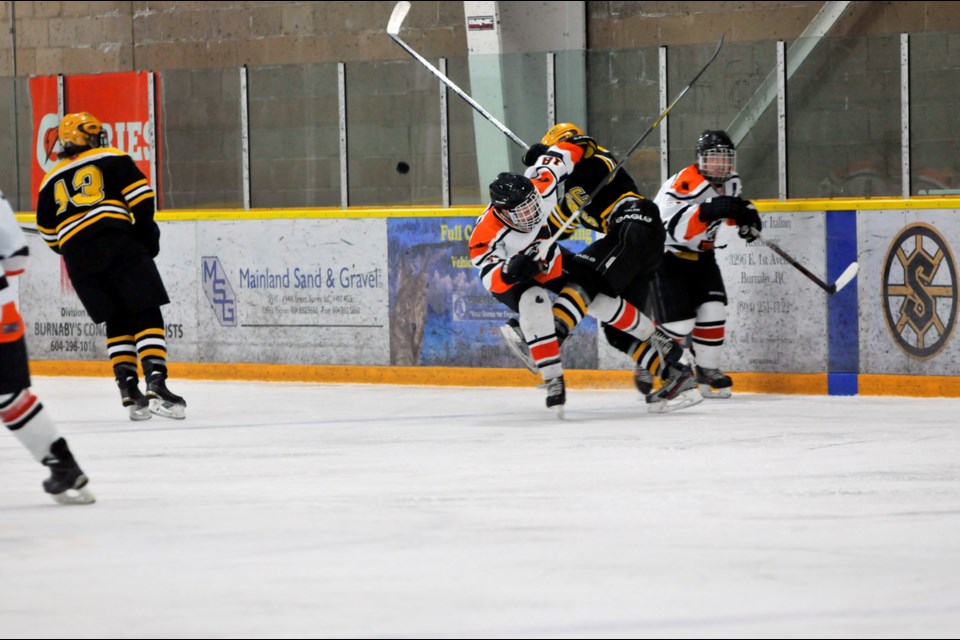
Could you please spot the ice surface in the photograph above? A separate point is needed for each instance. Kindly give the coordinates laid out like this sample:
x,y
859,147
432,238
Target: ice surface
x,y
298,510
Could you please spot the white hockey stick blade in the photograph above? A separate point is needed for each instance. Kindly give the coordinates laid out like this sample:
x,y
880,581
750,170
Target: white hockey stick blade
x,y
397,17
848,274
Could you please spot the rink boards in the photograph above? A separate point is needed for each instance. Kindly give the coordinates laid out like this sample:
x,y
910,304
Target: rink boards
x,y
389,295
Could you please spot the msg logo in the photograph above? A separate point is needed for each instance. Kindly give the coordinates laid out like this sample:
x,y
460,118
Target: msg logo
x,y
919,291
219,291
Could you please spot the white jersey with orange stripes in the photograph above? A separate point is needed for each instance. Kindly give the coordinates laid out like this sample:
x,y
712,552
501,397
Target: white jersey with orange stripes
x,y
493,242
551,168
13,251
679,200
13,256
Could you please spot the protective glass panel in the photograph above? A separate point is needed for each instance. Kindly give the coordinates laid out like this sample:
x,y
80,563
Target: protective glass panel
x,y
843,118
934,103
393,135
200,139
294,136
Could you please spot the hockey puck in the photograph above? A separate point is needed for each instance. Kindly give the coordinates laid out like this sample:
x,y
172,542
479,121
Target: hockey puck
x,y
403,167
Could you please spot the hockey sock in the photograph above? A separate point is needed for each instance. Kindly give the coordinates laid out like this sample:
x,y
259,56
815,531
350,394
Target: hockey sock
x,y
536,322
708,334
569,309
23,414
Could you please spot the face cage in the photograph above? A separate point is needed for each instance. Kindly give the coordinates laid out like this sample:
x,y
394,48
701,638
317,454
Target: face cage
x,y
718,163
528,215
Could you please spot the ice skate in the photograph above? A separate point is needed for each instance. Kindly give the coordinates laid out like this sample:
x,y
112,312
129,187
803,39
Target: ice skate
x,y
163,402
643,380
556,394
714,383
67,483
130,395
679,391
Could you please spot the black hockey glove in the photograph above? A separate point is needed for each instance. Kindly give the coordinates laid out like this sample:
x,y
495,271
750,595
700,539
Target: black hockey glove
x,y
519,268
533,154
722,207
748,222
149,237
588,144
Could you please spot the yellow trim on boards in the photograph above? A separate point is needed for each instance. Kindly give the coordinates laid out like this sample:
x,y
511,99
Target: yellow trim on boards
x,y
799,204
873,384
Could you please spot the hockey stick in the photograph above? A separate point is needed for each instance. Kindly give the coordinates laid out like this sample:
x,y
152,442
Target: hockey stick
x,y
545,247
848,274
31,230
393,30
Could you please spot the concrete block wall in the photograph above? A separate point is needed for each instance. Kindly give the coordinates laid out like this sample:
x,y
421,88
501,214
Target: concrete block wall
x,y
201,117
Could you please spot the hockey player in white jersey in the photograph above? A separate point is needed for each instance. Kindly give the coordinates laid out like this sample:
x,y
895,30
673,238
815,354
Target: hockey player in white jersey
x,y
21,410
694,204
620,265
503,246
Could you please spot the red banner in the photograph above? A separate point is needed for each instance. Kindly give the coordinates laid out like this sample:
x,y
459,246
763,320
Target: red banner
x,y
119,100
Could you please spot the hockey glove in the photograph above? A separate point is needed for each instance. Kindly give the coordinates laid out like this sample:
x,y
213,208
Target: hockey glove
x,y
533,154
721,207
588,144
519,268
149,237
748,222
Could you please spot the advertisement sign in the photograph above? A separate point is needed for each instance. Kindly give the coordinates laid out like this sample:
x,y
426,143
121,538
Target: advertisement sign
x,y
119,100
776,317
440,313
299,291
264,291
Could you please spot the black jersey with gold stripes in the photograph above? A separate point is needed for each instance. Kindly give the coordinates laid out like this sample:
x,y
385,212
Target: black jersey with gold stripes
x,y
97,190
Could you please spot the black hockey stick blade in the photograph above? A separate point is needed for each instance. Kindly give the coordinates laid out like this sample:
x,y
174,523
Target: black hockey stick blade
x,y
30,230
393,30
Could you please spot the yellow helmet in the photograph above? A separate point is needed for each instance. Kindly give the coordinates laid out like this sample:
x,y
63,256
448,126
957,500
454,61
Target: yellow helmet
x,y
81,130
560,132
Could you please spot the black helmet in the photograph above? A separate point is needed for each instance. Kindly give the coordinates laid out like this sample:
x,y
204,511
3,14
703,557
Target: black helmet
x,y
517,201
713,140
716,156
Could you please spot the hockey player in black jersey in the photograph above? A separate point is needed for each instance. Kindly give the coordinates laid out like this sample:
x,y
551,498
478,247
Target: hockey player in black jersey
x,y
20,410
96,209
622,263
